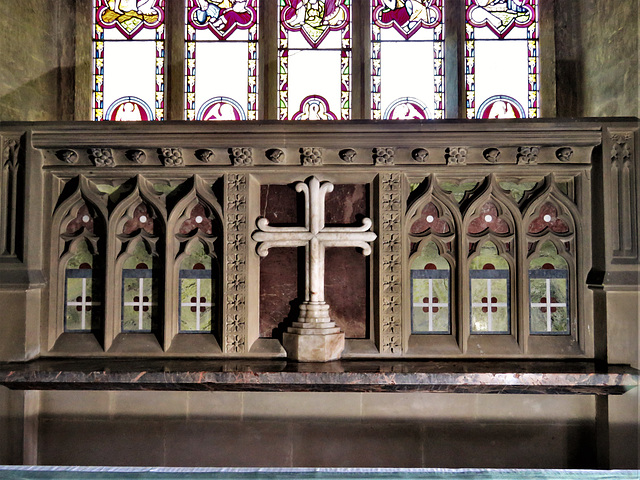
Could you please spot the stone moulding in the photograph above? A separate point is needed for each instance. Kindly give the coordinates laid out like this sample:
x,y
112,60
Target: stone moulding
x,y
391,295
353,376
235,206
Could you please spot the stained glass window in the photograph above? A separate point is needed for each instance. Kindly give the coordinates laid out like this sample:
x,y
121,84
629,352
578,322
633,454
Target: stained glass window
x,y
314,60
549,292
407,59
128,60
82,304
501,59
490,292
139,291
196,292
221,77
430,280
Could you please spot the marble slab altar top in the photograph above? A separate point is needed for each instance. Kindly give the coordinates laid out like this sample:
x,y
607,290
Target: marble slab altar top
x,y
345,376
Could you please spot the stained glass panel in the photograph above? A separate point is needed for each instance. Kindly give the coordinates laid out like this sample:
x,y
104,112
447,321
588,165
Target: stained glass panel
x,y
139,291
501,59
314,60
128,60
407,59
549,293
430,279
490,292
82,304
221,67
196,292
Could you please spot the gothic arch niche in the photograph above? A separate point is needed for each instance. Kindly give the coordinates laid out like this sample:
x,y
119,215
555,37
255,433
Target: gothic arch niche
x,y
431,321
556,322
194,310
135,272
491,315
77,270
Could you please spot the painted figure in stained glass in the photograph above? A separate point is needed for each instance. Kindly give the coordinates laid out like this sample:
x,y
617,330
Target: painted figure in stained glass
x,y
315,18
407,15
129,16
223,16
501,15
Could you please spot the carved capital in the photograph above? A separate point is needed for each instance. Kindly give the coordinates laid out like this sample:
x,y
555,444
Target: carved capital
x,y
67,156
205,155
491,155
275,155
347,155
136,156
564,154
420,155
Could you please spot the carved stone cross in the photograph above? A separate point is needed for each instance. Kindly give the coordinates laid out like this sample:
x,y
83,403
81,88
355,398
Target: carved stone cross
x,y
314,337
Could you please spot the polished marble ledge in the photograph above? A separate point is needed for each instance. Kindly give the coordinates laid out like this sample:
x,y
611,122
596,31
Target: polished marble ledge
x,y
339,376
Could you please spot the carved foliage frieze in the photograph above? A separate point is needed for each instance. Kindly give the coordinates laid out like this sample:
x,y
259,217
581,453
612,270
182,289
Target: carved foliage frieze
x,y
10,195
235,336
391,295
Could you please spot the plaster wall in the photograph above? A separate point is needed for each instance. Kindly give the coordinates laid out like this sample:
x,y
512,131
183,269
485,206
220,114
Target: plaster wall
x,y
316,429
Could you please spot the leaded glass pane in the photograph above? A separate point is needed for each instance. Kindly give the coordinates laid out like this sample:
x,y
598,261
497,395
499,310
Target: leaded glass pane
x,y
139,291
221,64
407,59
549,293
501,59
490,294
196,292
314,60
128,60
82,304
430,279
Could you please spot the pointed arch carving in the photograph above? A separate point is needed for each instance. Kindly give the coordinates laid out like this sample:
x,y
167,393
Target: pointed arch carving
x,y
195,221
139,217
550,215
79,221
492,213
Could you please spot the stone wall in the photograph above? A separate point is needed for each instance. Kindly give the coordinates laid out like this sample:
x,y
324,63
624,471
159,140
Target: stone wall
x,y
597,58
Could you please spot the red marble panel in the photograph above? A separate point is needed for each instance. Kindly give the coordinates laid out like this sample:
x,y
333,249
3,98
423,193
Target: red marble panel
x,y
346,289
281,204
282,271
346,204
279,290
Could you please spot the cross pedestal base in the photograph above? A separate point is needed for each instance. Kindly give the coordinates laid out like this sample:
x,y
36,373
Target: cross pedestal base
x,y
314,337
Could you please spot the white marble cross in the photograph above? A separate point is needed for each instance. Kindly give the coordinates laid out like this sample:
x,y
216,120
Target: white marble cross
x,y
314,312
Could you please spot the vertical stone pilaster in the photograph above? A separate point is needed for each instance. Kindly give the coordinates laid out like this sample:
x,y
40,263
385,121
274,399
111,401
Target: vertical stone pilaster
x,y
624,196
390,297
235,210
10,195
